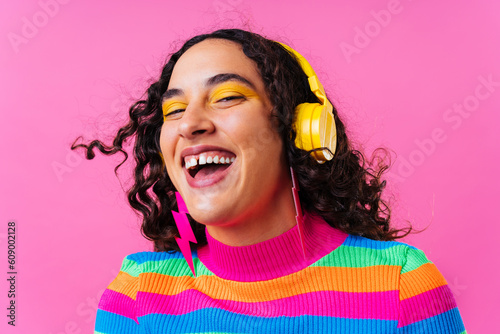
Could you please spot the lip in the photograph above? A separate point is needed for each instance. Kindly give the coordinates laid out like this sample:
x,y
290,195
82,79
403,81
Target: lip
x,y
207,181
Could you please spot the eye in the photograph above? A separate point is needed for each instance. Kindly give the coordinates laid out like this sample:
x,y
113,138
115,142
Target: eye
x,y
230,98
174,114
173,110
227,101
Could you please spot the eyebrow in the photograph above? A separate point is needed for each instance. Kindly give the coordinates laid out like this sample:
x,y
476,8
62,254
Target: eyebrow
x,y
212,81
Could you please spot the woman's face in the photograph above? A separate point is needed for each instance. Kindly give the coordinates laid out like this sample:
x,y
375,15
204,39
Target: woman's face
x,y
221,151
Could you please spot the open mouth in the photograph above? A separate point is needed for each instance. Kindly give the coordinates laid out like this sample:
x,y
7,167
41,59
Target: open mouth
x,y
208,163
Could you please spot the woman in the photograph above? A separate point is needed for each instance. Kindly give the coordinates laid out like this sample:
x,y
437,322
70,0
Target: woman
x,y
221,137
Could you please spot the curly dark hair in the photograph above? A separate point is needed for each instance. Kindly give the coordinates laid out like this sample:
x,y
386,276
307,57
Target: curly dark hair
x,y
345,192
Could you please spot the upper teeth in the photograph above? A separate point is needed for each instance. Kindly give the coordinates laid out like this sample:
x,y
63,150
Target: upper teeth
x,y
204,159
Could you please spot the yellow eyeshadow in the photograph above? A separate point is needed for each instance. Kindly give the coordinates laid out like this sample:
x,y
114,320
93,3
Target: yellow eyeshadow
x,y
171,106
230,89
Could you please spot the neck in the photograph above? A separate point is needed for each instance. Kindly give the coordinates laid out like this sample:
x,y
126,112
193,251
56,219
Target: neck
x,y
263,223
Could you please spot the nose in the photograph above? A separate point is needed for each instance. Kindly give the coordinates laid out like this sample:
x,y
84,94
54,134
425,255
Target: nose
x,y
195,121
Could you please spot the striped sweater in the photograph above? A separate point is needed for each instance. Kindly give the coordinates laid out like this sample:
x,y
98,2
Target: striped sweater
x,y
345,284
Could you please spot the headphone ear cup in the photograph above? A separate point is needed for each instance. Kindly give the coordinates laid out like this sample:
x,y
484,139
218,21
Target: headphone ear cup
x,y
315,128
302,126
324,133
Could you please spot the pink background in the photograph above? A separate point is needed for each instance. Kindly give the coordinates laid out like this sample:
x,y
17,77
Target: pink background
x,y
71,69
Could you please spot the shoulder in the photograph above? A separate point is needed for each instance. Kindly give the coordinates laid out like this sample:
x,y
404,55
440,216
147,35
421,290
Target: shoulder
x,y
368,252
415,268
117,309
151,262
418,276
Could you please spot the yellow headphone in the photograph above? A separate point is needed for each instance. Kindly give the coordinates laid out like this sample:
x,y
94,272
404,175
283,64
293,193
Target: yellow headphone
x,y
314,123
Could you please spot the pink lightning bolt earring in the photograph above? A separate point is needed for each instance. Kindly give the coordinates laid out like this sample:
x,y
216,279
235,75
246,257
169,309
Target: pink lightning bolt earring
x,y
298,210
186,234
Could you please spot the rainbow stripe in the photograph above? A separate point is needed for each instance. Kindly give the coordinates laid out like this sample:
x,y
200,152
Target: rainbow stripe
x,y
362,286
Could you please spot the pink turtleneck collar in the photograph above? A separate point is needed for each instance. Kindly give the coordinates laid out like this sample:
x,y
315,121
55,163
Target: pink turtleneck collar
x,y
273,258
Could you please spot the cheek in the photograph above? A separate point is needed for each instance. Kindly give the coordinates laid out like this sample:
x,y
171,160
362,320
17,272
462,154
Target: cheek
x,y
252,127
167,147
268,138
166,141
261,138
